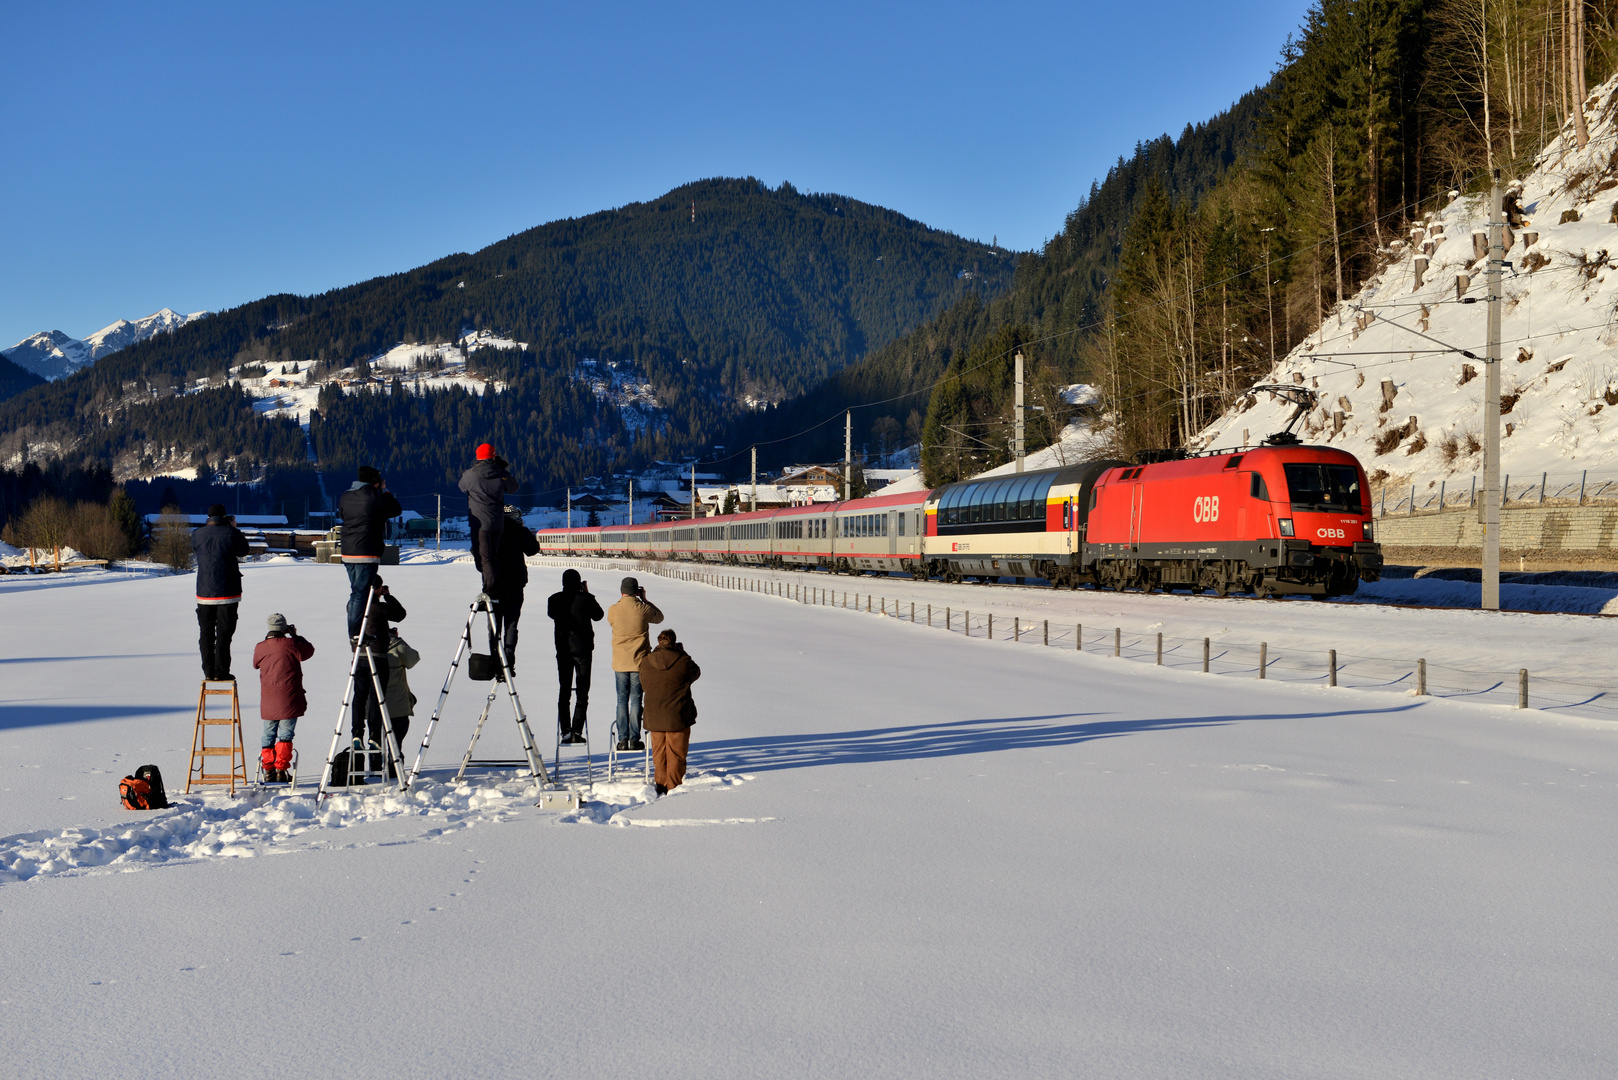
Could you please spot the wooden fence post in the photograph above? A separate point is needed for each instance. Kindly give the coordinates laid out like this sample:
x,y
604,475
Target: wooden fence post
x,y
1160,648
1047,631
947,627
1421,677
929,616
1331,679
991,626
968,624
1522,688
1078,637
1205,656
1118,641
1263,658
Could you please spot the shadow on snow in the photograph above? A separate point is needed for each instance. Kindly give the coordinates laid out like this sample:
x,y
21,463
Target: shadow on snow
x,y
954,738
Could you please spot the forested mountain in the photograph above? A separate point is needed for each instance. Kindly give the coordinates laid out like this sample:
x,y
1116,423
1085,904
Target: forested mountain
x,y
719,293
1055,292
1183,277
14,380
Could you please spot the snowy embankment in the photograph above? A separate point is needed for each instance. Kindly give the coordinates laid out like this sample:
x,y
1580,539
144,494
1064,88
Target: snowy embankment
x,y
1411,408
1151,871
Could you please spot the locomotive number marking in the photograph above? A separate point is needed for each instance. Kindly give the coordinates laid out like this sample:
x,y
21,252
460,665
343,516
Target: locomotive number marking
x,y
1205,508
1331,534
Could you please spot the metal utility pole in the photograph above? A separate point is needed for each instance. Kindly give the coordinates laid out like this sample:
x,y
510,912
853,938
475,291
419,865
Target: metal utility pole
x,y
693,491
631,520
1269,301
570,508
1018,436
438,540
1491,409
848,452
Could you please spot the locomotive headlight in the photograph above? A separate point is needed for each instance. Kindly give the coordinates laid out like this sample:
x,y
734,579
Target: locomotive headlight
x,y
1368,535
1286,527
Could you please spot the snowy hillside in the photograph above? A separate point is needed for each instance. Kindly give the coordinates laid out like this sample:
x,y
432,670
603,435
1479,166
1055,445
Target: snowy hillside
x,y
1410,408
52,354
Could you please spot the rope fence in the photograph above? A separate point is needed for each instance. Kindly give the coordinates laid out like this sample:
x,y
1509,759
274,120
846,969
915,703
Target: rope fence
x,y
1329,667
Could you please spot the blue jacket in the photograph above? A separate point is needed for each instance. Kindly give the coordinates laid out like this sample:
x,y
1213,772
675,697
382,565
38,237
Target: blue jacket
x,y
219,576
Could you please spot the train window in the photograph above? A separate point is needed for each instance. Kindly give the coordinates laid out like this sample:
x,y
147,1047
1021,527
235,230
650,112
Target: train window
x,y
901,524
1233,462
1257,488
884,524
1313,486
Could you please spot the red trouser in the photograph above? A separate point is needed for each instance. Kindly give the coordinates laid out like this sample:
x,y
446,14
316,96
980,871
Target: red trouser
x,y
669,751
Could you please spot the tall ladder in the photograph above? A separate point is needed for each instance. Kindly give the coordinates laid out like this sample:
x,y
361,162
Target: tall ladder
x,y
198,775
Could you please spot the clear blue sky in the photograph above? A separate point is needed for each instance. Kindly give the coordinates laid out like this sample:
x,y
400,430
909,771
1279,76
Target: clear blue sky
x,y
199,156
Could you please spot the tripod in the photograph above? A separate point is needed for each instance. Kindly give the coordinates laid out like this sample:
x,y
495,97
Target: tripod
x,y
390,744
535,761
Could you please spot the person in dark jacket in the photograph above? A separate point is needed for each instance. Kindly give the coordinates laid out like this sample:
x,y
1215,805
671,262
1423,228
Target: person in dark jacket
x,y
487,483
666,675
366,715
572,611
218,546
365,509
279,659
517,542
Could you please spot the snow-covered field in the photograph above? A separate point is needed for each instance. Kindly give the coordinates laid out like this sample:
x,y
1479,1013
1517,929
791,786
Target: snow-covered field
x,y
903,853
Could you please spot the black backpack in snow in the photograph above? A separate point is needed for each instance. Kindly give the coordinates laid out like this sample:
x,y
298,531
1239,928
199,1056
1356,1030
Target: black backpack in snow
x,y
143,790
156,797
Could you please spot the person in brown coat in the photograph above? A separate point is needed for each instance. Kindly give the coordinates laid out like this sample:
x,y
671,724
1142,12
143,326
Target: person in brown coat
x,y
279,660
666,675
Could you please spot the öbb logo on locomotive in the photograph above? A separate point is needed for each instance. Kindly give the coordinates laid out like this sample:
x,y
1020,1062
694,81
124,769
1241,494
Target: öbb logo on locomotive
x,y
1281,518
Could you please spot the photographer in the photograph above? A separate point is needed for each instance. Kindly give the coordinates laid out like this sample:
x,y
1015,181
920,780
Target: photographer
x,y
218,546
629,619
573,610
366,717
667,673
279,659
517,542
487,483
365,509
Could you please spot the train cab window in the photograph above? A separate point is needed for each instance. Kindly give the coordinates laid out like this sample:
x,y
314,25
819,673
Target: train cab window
x,y
1257,488
1322,487
1233,462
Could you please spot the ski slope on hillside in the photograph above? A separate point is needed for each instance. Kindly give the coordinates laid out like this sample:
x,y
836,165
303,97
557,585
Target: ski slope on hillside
x,y
1560,352
904,853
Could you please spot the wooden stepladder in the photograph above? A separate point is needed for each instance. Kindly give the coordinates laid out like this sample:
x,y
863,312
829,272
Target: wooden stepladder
x,y
198,774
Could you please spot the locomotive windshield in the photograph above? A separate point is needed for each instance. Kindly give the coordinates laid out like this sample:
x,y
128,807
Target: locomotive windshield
x,y
1318,487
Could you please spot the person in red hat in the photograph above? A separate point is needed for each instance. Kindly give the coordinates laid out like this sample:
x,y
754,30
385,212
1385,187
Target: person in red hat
x,y
487,483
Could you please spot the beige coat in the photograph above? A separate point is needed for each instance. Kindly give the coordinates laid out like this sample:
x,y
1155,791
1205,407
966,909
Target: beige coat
x,y
629,618
401,702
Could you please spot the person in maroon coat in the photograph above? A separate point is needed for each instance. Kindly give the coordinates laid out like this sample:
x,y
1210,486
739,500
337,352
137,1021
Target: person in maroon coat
x,y
279,659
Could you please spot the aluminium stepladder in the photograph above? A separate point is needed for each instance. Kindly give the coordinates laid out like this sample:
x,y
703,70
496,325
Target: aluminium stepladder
x,y
390,744
532,757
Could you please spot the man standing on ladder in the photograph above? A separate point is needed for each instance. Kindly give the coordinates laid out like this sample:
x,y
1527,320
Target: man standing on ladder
x,y
572,611
487,483
517,542
218,546
373,640
365,509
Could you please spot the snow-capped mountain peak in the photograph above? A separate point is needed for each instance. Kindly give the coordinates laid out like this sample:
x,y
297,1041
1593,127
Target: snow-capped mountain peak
x,y
52,354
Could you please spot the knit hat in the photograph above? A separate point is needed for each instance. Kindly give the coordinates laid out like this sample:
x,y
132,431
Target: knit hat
x,y
277,623
629,586
570,580
368,475
217,510
485,452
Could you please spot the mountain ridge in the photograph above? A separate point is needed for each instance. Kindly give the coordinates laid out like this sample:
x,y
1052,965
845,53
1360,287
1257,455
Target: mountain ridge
x,y
53,355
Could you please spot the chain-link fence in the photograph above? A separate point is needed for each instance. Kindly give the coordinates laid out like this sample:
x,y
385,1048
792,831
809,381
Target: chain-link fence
x,y
1430,496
